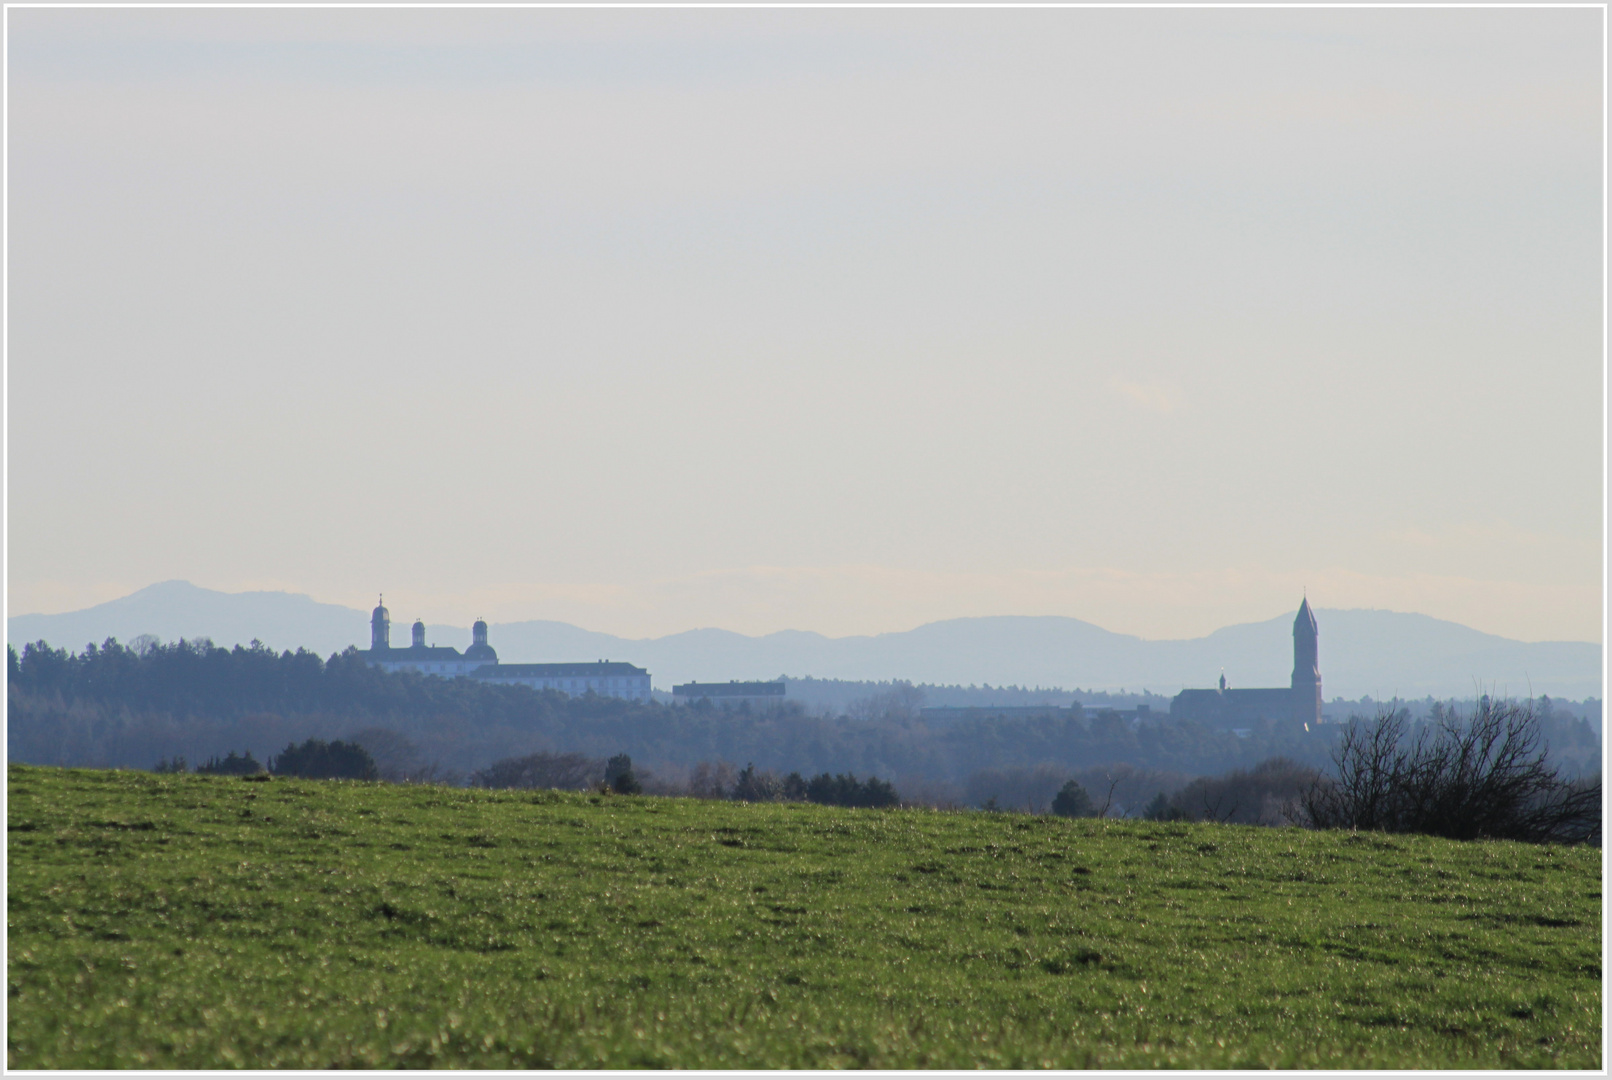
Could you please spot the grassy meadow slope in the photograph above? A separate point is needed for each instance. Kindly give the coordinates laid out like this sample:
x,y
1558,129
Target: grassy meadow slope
x,y
195,921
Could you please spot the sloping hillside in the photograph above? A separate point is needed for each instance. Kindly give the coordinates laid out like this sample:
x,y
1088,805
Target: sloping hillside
x,y
304,924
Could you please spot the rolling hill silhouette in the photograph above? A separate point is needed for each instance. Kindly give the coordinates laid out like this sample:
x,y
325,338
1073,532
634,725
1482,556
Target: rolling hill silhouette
x,y
1381,653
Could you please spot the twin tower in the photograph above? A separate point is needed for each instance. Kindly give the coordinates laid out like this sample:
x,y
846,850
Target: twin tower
x,y
380,641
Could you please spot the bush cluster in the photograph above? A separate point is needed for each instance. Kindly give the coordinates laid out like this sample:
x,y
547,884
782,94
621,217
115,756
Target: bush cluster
x,y
319,760
544,769
574,772
1481,777
844,789
232,765
1271,793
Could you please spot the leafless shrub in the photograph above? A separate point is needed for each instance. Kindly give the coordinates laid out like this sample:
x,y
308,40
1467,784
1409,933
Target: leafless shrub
x,y
1119,790
1271,793
568,772
712,780
400,760
754,785
666,778
1485,776
1025,790
922,791
1125,789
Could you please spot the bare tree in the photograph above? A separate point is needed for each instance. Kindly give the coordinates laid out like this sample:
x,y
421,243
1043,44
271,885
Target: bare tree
x,y
1108,799
1212,812
1487,775
712,780
399,759
1016,787
753,786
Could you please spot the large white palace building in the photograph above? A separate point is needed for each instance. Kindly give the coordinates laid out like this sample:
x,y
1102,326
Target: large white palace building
x,y
480,661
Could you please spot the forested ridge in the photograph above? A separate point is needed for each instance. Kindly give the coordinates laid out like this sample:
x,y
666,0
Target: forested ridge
x,y
112,705
195,679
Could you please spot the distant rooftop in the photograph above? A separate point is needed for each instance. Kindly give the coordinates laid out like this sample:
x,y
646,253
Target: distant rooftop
x,y
557,671
729,689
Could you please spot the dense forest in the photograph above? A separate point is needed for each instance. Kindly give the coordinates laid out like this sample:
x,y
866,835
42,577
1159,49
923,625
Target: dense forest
x,y
118,706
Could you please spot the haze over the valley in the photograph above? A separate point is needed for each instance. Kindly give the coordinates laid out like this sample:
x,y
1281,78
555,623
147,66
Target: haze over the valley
x,y
1376,653
837,321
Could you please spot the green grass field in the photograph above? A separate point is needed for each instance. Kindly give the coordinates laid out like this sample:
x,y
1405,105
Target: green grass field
x,y
212,922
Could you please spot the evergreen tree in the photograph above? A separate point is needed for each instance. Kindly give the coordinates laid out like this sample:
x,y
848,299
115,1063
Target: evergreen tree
x,y
1072,801
619,776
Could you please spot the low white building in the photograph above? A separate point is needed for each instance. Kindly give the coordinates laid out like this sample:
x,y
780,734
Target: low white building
x,y
606,678
757,695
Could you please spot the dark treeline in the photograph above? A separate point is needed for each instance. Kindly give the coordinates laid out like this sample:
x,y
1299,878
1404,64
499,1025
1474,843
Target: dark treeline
x,y
115,706
193,679
111,706
315,759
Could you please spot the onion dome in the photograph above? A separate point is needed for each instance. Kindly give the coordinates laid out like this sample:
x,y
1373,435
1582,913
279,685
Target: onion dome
x,y
479,649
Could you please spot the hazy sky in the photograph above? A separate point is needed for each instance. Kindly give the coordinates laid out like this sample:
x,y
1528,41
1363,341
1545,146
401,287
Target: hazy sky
x,y
837,320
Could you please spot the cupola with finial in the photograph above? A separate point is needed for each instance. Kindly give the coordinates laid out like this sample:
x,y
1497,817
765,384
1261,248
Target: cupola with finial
x,y
479,649
380,627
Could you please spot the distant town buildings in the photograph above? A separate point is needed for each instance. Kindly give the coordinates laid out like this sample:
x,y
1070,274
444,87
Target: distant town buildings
x,y
730,694
1298,702
480,661
1224,707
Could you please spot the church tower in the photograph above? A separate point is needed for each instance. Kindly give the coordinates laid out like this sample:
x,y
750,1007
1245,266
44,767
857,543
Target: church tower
x,y
380,628
479,650
1306,667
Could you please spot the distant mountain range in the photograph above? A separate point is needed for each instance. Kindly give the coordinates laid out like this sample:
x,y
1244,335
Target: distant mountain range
x,y
1381,653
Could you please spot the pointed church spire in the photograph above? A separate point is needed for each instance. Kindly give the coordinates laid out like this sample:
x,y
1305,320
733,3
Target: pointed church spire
x,y
1305,619
1306,683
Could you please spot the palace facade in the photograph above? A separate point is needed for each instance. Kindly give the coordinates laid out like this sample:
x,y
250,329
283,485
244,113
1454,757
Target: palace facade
x,y
480,661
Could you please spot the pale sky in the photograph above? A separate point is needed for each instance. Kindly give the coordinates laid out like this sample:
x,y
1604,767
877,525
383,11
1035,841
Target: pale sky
x,y
828,320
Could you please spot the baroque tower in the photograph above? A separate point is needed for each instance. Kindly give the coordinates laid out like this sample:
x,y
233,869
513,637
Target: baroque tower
x,y
380,628
479,649
1306,667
